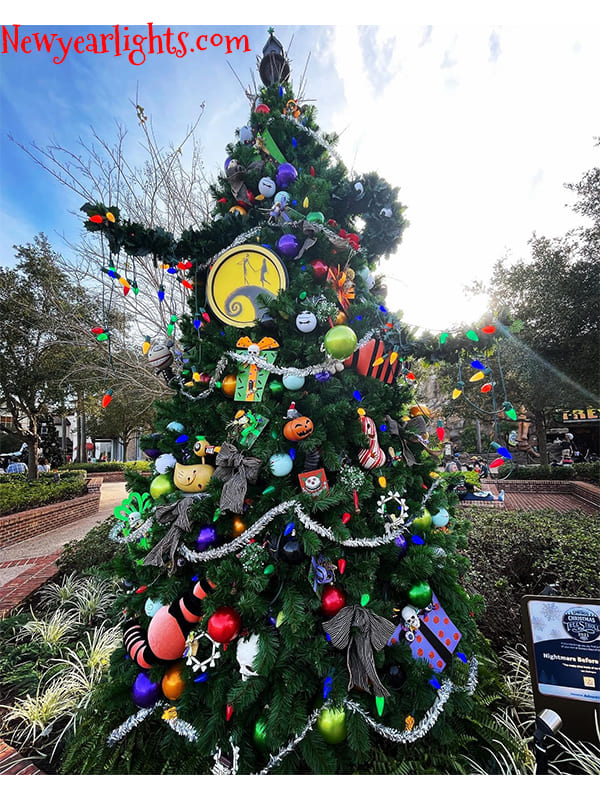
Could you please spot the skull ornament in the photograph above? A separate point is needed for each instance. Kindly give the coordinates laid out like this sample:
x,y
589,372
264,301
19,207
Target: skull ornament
x,y
247,650
411,621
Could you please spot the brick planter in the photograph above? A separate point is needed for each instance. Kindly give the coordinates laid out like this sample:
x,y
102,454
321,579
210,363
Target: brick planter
x,y
25,524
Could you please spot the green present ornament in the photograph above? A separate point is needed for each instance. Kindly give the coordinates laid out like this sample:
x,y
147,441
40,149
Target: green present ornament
x,y
251,379
420,595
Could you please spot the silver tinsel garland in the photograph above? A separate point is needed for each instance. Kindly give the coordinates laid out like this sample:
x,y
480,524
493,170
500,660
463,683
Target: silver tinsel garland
x,y
116,532
326,533
131,723
391,734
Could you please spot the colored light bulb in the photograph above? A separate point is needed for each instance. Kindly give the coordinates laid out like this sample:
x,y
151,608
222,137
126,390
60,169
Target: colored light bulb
x,y
478,376
497,462
489,329
107,398
477,364
472,336
487,387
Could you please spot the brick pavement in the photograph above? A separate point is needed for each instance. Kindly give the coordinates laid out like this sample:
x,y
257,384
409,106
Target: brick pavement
x,y
12,763
37,571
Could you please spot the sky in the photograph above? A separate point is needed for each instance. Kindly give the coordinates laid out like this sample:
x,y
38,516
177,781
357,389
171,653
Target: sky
x,y
479,121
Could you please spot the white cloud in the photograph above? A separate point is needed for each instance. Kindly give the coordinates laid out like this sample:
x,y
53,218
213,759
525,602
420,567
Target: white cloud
x,y
481,148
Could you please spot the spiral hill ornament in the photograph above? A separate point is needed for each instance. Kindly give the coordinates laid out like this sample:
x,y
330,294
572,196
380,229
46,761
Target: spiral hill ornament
x,y
237,279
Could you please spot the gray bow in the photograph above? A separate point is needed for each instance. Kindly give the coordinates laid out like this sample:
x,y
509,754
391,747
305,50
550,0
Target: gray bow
x,y
370,631
176,515
235,470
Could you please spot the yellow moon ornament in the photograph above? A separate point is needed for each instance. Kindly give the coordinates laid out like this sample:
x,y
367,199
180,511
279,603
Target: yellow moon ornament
x,y
238,278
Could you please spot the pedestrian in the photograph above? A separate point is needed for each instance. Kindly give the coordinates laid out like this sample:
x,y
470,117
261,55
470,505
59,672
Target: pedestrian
x,y
15,466
43,466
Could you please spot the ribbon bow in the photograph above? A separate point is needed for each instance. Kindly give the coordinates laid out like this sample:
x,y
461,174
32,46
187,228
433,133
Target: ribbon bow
x,y
342,284
175,515
266,343
352,238
235,470
310,232
360,631
323,572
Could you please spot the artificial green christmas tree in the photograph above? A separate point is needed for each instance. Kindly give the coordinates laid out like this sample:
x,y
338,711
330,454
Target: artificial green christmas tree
x,y
292,573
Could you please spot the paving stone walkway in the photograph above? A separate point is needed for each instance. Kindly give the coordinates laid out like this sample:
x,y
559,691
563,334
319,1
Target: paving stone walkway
x,y
27,565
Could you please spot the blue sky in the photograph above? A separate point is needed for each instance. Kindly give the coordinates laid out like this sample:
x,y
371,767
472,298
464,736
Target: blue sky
x,y
479,123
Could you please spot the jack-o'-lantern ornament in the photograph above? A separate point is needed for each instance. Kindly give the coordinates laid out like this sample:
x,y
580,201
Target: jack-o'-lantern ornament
x,y
298,428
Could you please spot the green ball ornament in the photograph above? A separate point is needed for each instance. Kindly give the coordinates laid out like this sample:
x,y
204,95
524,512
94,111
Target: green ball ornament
x,y
315,216
340,341
259,735
276,387
420,595
160,486
423,523
331,724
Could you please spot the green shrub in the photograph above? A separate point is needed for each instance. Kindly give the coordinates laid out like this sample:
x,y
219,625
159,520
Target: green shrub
x,y
589,472
17,493
85,554
108,466
515,553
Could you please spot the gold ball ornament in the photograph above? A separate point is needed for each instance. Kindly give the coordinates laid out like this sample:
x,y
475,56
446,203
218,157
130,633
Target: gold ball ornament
x,y
173,683
239,526
341,318
228,385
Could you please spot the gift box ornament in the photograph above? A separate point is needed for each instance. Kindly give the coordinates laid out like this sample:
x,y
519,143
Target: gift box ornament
x,y
372,361
252,379
314,482
246,427
432,636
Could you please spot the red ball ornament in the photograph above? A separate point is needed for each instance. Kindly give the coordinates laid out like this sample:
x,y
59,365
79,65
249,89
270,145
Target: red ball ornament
x,y
262,108
224,625
332,600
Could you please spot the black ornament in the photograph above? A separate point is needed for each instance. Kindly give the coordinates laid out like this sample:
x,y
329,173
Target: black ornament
x,y
291,550
397,676
273,67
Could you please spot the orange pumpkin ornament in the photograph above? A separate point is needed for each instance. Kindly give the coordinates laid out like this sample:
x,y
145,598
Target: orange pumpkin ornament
x,y
298,428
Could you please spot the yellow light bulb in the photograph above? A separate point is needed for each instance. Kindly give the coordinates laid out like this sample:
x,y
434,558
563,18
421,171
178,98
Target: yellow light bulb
x,y
382,481
393,357
305,202
456,393
477,377
378,361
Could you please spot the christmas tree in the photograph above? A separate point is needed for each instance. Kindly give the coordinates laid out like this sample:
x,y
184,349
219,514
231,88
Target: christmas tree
x,y
292,569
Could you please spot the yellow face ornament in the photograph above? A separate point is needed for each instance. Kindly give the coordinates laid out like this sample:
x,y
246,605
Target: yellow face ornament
x,y
192,477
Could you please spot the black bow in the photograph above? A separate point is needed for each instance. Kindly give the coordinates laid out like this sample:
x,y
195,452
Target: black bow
x,y
370,631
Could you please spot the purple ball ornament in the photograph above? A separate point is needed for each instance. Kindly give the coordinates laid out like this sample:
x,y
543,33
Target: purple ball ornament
x,y
322,376
206,538
288,246
145,693
286,175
